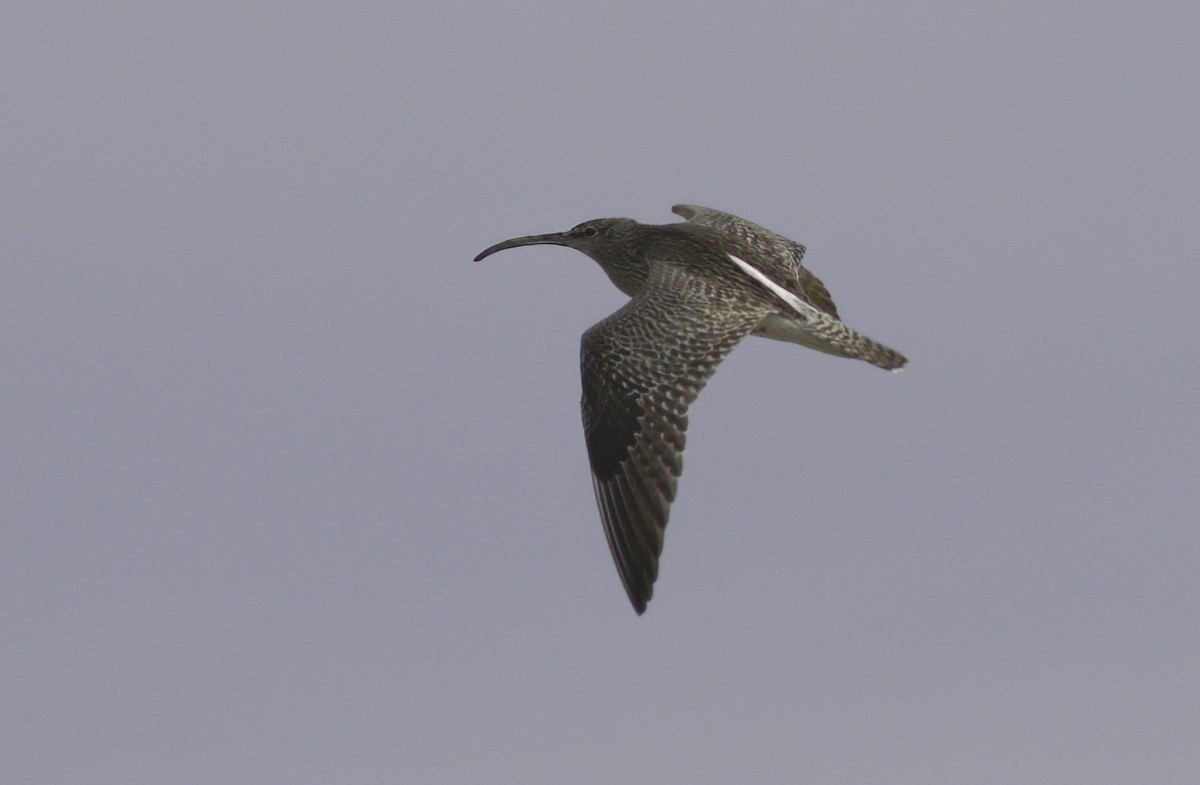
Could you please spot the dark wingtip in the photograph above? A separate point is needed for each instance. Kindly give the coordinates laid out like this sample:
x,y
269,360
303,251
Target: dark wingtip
x,y
640,598
684,210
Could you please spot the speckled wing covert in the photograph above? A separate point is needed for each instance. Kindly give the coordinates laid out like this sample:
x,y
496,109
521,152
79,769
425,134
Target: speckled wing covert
x,y
784,265
642,367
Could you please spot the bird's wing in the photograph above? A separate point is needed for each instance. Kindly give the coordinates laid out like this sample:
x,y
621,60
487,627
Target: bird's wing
x,y
788,253
642,367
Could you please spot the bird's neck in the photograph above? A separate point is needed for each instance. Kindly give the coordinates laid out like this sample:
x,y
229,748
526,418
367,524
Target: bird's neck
x,y
627,273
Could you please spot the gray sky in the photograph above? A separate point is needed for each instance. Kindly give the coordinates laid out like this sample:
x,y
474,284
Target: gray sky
x,y
294,492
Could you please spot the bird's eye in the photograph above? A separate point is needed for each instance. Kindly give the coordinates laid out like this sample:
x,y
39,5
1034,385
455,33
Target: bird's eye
x,y
589,231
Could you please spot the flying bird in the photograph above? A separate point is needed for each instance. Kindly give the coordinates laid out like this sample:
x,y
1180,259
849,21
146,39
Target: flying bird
x,y
697,288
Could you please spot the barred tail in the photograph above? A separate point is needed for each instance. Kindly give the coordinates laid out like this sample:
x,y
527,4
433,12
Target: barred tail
x,y
812,327
877,354
825,334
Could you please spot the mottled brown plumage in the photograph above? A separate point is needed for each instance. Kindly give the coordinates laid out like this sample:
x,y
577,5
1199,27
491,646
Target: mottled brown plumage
x,y
697,288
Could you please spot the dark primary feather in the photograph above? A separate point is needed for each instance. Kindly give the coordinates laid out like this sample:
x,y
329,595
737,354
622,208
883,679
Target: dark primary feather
x,y
642,367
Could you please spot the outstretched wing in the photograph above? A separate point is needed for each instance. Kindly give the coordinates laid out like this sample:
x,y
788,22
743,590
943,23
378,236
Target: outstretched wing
x,y
788,254
642,368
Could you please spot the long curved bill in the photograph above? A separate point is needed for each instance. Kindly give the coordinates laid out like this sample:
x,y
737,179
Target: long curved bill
x,y
554,238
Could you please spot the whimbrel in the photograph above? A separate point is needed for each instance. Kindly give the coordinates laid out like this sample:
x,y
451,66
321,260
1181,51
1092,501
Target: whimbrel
x,y
697,288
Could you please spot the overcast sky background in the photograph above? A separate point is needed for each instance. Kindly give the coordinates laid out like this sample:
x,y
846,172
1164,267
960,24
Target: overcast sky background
x,y
295,492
